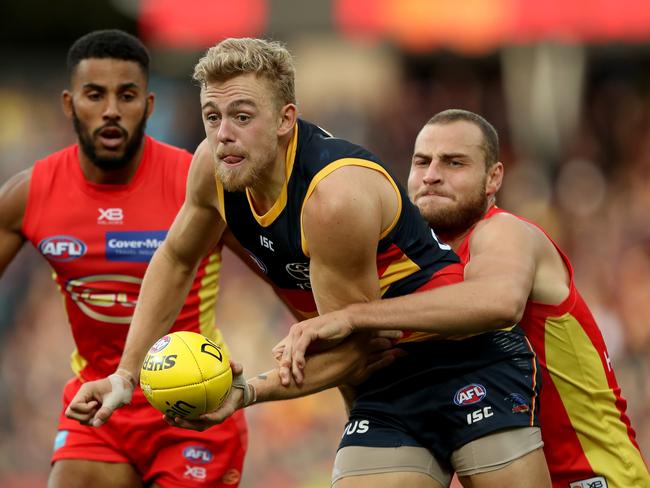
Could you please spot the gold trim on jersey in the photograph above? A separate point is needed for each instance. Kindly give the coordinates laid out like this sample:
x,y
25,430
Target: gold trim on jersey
x,y
333,166
396,271
269,217
572,361
77,363
221,207
208,291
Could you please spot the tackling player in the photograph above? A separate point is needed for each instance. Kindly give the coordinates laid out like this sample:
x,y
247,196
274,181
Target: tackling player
x,y
514,273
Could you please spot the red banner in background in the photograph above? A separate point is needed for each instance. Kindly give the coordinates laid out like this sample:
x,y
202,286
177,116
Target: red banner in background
x,y
193,24
483,25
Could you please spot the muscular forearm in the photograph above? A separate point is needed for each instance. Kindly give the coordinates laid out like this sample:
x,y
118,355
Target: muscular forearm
x,y
463,308
326,369
164,289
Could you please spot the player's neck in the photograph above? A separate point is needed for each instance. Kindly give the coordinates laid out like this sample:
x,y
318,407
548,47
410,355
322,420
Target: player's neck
x,y
121,176
456,238
267,190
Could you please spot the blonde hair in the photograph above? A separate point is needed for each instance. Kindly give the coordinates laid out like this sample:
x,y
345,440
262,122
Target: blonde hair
x,y
238,56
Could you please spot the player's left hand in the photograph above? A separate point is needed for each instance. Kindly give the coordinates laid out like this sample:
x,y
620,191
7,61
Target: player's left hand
x,y
241,395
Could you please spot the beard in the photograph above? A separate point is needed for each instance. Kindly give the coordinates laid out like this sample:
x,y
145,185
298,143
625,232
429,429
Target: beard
x,y
454,220
237,179
250,173
109,163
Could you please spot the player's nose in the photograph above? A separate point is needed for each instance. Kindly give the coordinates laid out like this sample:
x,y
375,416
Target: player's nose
x,y
111,109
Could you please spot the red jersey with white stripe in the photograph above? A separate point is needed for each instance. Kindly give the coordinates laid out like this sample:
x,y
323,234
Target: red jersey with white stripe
x,y
588,440
99,239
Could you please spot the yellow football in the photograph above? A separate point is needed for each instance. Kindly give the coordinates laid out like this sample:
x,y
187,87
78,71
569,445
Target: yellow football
x,y
186,374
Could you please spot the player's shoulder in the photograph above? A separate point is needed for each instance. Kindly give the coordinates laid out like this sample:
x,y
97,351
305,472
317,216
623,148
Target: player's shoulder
x,y
502,225
318,145
168,152
14,194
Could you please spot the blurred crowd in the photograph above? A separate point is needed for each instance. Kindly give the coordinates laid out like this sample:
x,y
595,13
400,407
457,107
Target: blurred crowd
x,y
592,196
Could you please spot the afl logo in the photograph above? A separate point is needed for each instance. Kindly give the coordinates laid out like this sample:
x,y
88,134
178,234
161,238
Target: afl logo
x,y
62,248
470,394
197,454
160,344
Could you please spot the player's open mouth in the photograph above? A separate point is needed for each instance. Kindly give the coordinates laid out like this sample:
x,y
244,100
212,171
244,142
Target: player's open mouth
x,y
232,160
111,137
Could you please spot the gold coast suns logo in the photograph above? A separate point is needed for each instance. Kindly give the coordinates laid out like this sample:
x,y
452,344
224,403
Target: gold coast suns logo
x,y
108,298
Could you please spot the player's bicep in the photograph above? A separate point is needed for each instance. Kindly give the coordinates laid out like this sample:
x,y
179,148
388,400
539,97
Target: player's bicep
x,y
198,226
503,255
342,226
13,202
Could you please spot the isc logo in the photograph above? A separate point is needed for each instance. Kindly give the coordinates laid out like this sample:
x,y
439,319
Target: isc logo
x,y
62,248
197,454
470,394
479,415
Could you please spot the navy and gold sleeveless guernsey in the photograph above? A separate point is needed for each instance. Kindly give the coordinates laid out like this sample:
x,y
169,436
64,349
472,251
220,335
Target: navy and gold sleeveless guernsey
x,y
407,254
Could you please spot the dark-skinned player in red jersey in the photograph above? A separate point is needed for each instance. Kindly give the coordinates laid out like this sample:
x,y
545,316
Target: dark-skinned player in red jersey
x,y
96,211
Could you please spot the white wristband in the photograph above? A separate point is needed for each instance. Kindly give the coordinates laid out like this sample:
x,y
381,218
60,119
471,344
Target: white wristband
x,y
250,393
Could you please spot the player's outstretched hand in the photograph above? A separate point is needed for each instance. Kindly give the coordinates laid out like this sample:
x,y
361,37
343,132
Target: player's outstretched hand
x,y
96,401
329,328
241,395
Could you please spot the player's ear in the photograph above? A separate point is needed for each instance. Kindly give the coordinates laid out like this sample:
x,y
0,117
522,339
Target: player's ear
x,y
494,179
66,103
151,98
288,118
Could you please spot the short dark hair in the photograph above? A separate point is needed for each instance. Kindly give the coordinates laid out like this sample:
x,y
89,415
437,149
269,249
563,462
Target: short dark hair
x,y
110,43
490,144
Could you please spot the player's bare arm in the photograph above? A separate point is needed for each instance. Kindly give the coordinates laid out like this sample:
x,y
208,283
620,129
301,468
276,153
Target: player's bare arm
x,y
498,281
13,202
342,226
195,231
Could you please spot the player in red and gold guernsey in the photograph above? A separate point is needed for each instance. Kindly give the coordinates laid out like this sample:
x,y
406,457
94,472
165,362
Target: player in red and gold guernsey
x,y
97,211
514,274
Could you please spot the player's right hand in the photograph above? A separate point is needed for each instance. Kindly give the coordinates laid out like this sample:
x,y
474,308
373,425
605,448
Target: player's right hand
x,y
96,400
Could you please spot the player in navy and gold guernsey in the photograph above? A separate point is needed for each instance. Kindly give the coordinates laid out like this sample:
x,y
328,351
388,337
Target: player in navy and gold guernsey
x,y
96,210
514,273
328,225
407,253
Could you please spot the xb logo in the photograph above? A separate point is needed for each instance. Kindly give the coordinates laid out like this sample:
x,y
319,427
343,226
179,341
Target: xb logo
x,y
110,215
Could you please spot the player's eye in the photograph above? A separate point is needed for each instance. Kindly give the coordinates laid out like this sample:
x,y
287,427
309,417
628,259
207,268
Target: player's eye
x,y
242,118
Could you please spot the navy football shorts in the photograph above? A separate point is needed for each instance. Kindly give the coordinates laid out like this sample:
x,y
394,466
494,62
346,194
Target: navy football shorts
x,y
444,394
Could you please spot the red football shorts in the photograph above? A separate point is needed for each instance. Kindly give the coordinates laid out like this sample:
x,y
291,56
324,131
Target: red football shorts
x,y
170,456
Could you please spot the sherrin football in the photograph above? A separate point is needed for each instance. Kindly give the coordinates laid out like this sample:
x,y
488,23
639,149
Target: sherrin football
x,y
186,374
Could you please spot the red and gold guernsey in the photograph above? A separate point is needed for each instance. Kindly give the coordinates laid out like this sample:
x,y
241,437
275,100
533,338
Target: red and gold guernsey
x,y
99,239
588,439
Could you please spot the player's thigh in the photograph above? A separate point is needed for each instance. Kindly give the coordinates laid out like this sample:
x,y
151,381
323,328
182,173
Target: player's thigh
x,y
77,473
398,467
388,480
529,471
509,458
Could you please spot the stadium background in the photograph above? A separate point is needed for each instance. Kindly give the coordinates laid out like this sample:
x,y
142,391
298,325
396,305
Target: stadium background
x,y
565,83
